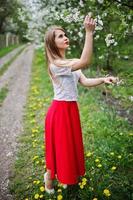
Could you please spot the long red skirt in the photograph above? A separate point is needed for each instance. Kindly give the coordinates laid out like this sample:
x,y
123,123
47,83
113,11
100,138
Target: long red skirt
x,y
64,151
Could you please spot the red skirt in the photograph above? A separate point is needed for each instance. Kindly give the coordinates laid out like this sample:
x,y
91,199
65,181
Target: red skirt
x,y
64,151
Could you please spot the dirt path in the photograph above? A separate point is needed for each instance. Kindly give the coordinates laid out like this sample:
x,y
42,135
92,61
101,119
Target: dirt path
x,y
10,55
17,78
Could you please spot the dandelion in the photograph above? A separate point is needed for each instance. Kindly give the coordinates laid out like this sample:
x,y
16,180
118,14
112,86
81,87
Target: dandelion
x,y
59,190
42,189
26,199
89,154
36,196
112,153
41,196
35,157
81,186
34,182
106,192
99,165
95,199
119,156
84,179
42,161
37,182
59,197
97,160
113,168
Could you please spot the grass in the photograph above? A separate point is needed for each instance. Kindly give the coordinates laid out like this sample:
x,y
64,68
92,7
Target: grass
x,y
6,65
3,94
107,142
6,50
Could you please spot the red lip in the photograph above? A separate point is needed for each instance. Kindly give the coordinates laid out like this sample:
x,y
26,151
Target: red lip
x,y
66,42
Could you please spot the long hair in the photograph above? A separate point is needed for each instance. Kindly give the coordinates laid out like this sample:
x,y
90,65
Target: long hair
x,y
52,52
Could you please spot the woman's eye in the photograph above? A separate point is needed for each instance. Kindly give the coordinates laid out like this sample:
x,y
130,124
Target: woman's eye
x,y
60,36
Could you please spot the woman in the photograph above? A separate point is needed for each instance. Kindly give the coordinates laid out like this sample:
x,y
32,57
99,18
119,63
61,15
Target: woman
x,y
63,135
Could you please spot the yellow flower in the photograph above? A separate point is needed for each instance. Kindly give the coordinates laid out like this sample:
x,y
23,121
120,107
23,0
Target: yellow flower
x,y
59,197
42,189
99,165
41,196
81,186
89,154
84,183
97,160
95,199
26,199
36,196
35,131
59,190
35,157
112,153
37,182
37,162
84,179
119,156
113,168
106,192
34,182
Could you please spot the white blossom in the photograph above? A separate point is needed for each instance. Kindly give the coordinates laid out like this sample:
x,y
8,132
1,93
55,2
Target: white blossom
x,y
110,40
101,57
126,57
100,1
97,37
131,98
99,23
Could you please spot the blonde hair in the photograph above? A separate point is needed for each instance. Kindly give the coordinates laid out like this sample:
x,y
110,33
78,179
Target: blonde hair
x,y
52,52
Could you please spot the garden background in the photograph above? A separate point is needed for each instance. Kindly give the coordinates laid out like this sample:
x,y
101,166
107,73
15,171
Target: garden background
x,y
106,111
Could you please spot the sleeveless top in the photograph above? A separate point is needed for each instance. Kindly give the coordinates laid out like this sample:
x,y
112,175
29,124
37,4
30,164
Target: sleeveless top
x,y
65,83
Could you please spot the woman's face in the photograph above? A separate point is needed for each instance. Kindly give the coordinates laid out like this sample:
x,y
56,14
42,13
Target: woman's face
x,y
61,40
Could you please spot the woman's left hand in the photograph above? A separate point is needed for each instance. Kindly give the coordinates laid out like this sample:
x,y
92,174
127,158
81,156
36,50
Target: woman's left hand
x,y
111,80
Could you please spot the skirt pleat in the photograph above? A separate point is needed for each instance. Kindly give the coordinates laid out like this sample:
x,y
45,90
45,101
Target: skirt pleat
x,y
64,151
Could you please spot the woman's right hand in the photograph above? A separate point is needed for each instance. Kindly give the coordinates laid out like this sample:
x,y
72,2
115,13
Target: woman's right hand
x,y
89,24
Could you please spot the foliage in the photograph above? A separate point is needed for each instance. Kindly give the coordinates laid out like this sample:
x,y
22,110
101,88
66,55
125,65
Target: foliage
x,y
107,141
113,19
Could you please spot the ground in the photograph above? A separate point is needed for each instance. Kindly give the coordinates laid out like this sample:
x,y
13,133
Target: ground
x,y
17,79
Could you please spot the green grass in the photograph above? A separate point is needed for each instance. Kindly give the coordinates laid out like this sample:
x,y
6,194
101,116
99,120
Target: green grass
x,y
3,94
6,50
6,65
107,142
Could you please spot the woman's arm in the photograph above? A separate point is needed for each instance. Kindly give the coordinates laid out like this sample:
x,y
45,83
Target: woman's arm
x,y
92,82
86,55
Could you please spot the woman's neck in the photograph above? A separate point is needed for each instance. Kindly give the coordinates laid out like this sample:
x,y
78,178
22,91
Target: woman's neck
x,y
62,52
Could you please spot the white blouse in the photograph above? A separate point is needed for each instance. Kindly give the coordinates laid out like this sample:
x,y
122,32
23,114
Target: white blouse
x,y
65,83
